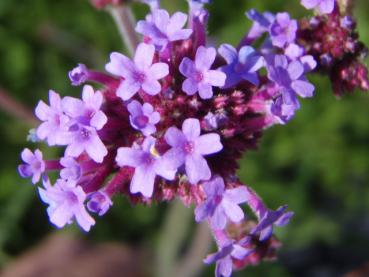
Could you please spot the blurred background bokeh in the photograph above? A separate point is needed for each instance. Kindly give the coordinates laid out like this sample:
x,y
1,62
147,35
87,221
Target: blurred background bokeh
x,y
318,164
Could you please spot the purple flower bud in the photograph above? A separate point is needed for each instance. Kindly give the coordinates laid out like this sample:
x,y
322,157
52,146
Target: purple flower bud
x,y
188,148
283,30
240,66
138,74
162,29
221,204
143,117
147,164
199,76
34,165
66,203
78,75
99,203
323,6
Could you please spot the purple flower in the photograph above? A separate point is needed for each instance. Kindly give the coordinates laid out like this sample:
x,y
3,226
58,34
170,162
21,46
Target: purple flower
x,y
55,125
199,76
66,202
99,203
266,216
261,24
188,148
324,6
240,66
86,111
162,29
284,112
34,166
290,78
85,138
138,74
283,30
223,258
221,204
72,170
214,121
78,75
147,164
143,117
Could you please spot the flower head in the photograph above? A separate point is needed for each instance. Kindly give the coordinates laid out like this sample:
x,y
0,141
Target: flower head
x,y
143,117
221,204
162,29
241,65
323,6
138,74
147,164
188,148
66,202
199,77
34,165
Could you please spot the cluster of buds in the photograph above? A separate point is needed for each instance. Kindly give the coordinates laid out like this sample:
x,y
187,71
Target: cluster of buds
x,y
173,122
334,43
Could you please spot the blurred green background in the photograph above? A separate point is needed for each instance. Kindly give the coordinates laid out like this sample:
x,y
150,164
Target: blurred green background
x,y
318,164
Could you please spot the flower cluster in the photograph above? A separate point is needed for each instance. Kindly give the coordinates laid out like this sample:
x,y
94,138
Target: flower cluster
x,y
174,121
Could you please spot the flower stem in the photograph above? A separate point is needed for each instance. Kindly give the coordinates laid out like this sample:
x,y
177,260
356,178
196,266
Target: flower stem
x,y
124,19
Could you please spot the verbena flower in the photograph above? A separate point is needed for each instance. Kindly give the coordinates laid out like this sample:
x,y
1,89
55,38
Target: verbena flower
x,y
78,75
147,164
162,29
141,73
189,147
242,65
72,169
199,77
223,258
221,204
34,165
323,6
55,123
143,117
283,30
66,203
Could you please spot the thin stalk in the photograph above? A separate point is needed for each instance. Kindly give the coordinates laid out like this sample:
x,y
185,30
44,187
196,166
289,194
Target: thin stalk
x,y
125,21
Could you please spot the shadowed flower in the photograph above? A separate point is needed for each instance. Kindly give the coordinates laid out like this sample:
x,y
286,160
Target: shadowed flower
x,y
223,258
240,66
221,204
138,74
199,76
55,123
147,164
162,29
283,30
188,148
34,165
143,117
323,6
72,170
66,202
